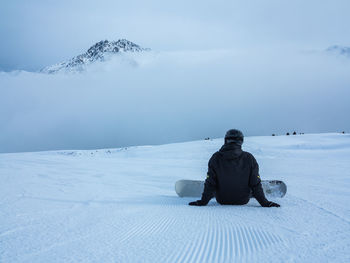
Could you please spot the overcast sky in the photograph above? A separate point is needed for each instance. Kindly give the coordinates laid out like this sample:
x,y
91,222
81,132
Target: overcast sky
x,y
38,33
258,66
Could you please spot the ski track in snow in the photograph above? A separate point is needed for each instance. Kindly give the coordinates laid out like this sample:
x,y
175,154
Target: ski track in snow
x,y
220,243
119,205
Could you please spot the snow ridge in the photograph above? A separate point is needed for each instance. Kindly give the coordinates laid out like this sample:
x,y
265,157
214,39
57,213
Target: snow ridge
x,y
101,51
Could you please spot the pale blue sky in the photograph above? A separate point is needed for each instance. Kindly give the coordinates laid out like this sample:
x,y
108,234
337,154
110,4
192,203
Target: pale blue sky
x,y
38,33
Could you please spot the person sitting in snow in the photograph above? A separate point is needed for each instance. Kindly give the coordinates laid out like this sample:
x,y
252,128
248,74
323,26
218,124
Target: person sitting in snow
x,y
233,175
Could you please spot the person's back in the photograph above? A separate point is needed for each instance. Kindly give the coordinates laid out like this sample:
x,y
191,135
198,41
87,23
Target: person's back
x,y
233,175
232,169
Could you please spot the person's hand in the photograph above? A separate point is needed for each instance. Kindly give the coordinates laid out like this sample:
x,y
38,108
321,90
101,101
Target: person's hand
x,y
271,204
198,203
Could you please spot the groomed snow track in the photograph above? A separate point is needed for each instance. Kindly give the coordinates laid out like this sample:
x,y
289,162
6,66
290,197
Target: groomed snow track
x,y
119,205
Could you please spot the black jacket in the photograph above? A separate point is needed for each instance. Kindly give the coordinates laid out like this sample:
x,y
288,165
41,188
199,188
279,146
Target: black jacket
x,y
233,176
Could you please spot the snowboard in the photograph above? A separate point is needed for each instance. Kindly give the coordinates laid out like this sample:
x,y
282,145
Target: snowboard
x,y
194,188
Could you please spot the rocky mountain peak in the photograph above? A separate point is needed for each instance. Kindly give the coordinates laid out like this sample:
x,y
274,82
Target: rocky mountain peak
x,y
100,51
339,50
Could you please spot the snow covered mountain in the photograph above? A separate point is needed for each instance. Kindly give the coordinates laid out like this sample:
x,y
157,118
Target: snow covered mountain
x,y
101,51
339,50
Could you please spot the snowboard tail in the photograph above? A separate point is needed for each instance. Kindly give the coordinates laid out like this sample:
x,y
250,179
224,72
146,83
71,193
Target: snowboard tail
x,y
194,188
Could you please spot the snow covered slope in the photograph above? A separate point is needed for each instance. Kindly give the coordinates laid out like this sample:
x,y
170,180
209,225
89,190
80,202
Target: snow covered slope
x,y
119,205
100,51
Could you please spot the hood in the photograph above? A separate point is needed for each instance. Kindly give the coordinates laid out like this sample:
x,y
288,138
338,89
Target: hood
x,y
231,151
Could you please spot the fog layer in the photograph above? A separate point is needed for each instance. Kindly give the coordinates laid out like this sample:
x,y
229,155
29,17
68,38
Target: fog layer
x,y
166,97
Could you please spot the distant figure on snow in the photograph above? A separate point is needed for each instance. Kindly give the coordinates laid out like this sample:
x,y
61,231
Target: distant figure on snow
x,y
233,175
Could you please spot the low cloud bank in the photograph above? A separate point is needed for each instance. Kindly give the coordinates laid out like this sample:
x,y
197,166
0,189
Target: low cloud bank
x,y
168,97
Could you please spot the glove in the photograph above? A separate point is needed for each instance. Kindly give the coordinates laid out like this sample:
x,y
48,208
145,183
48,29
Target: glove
x,y
270,204
198,203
